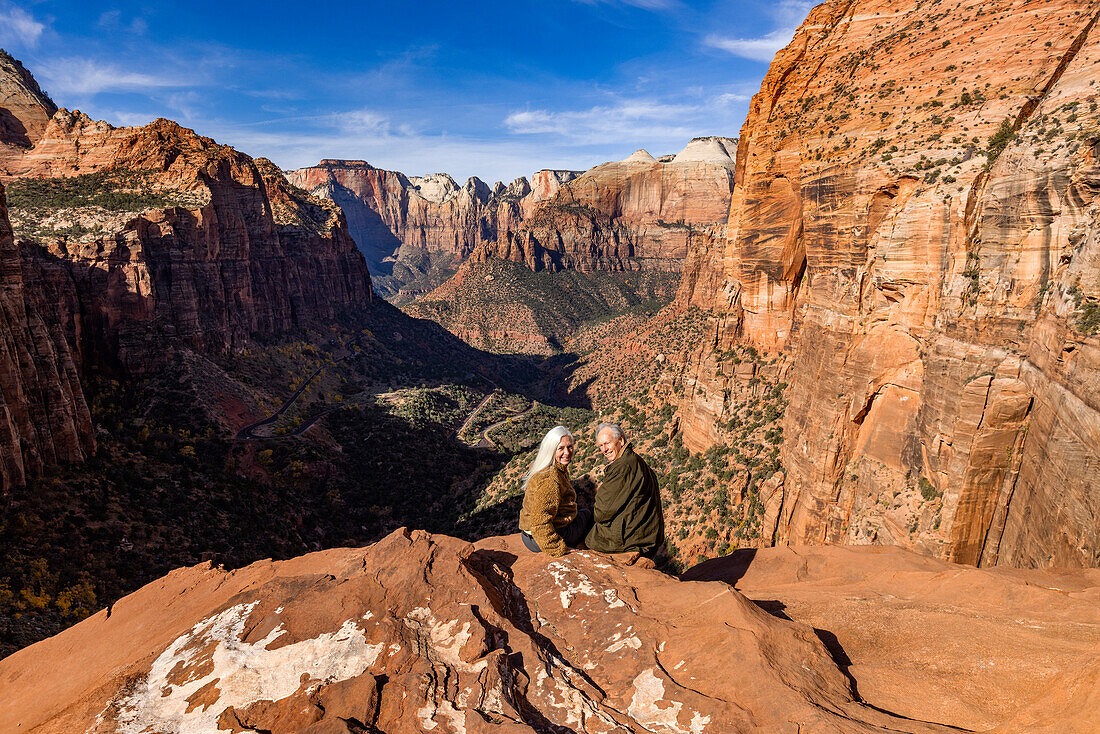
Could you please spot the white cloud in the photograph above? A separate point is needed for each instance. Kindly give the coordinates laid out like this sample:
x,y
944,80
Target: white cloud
x,y
84,77
362,122
626,119
19,28
646,4
789,14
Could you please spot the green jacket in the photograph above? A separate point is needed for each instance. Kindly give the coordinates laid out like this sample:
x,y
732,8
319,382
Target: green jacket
x,y
627,510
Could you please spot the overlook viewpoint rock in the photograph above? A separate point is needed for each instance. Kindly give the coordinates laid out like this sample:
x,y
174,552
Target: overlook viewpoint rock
x,y
429,633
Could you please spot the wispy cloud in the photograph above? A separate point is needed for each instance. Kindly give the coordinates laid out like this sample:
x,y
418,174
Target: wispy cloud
x,y
111,20
788,15
631,119
18,28
646,4
85,77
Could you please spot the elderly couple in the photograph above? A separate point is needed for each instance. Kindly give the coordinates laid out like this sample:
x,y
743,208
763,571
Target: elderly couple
x,y
625,517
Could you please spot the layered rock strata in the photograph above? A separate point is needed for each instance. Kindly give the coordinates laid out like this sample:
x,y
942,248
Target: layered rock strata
x,y
135,241
638,213
421,222
914,226
423,632
44,419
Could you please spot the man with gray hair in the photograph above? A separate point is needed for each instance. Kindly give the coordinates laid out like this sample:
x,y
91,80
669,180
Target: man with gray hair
x,y
627,511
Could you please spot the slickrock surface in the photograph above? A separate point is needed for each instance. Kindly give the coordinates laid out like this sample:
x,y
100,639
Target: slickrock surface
x,y
935,285
44,419
1000,649
422,633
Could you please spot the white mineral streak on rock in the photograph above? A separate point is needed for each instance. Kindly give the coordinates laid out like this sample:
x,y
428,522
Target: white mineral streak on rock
x,y
561,573
649,691
445,638
612,598
632,642
245,672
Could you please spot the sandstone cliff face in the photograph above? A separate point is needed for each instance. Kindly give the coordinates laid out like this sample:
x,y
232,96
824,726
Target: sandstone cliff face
x,y
24,109
44,419
237,253
130,242
914,225
638,213
411,220
634,214
423,632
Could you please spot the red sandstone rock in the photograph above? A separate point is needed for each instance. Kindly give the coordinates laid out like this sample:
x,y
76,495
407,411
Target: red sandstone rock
x,y
430,633
24,109
44,419
939,316
1000,650
241,254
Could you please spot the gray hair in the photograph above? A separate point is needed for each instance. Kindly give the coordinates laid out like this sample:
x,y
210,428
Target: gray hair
x,y
545,455
615,431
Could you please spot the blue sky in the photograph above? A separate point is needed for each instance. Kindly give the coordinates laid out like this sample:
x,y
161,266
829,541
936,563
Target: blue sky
x,y
493,89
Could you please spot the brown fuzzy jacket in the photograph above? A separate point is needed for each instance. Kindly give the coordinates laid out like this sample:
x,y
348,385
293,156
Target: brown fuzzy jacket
x,y
550,502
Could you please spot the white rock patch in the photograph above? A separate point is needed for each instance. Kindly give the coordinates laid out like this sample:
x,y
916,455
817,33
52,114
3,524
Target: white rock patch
x,y
245,672
649,690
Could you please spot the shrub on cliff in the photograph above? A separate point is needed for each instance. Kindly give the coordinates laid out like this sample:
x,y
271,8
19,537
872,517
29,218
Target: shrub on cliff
x,y
998,141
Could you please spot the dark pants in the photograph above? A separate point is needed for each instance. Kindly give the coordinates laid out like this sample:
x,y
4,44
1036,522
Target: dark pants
x,y
573,534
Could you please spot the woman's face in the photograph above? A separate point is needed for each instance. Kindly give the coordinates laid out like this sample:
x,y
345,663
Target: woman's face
x,y
563,454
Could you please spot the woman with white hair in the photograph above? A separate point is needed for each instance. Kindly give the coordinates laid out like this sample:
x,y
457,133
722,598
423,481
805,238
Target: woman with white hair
x,y
549,519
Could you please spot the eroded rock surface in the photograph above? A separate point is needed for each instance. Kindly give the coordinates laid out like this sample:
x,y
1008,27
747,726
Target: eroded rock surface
x,y
633,214
422,633
131,242
914,227
1003,650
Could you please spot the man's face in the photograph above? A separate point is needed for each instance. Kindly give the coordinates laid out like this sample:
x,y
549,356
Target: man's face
x,y
609,444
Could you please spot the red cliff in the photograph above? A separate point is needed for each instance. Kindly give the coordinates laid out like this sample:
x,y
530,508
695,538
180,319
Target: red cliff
x,y
913,226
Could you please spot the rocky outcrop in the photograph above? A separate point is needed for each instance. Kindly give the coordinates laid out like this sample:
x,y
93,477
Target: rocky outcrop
x,y
634,214
24,109
914,227
935,641
44,419
236,254
420,222
423,632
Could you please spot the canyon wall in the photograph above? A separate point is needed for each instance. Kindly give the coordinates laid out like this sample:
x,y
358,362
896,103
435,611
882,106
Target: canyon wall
x,y
43,415
132,242
914,229
628,215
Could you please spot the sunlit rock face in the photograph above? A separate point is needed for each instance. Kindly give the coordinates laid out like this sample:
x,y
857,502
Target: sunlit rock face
x,y
24,109
634,214
429,633
130,242
934,285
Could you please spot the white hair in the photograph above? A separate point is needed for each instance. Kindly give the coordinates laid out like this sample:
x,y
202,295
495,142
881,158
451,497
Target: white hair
x,y
615,431
547,448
